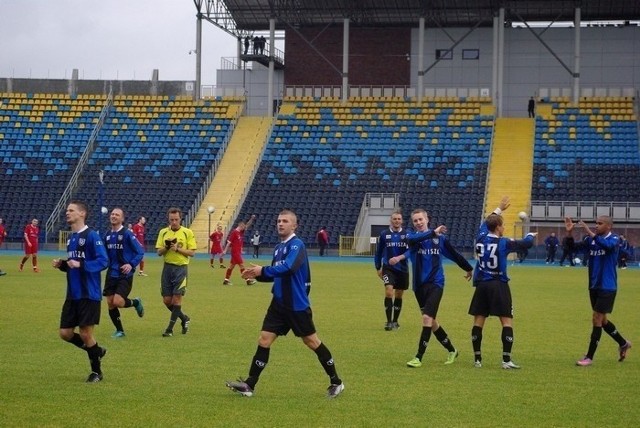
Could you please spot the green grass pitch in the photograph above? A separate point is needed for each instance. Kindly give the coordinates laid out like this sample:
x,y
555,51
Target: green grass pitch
x,y
179,381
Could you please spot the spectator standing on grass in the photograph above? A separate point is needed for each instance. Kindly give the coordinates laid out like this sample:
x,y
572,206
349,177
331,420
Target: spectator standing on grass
x,y
139,230
426,248
86,258
603,246
322,237
255,242
176,244
392,242
125,254
235,242
3,232
31,235
290,308
624,253
492,295
551,245
568,249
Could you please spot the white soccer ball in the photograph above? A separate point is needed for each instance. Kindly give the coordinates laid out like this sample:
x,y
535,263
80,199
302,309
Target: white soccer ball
x,y
523,215
577,260
104,210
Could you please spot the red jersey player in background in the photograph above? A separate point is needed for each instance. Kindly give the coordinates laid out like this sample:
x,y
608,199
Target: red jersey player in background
x,y
216,245
31,233
235,241
138,231
3,232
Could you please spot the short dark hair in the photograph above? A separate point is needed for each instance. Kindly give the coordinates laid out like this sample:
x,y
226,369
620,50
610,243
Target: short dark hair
x,y
82,206
175,210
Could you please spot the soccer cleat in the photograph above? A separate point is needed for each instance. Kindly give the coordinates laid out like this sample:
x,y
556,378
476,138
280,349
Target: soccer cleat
x,y
167,333
334,390
223,267
451,358
141,273
2,273
185,325
36,270
584,362
395,325
415,363
118,334
388,326
251,281
623,351
508,365
477,364
94,377
20,267
241,387
226,282
139,307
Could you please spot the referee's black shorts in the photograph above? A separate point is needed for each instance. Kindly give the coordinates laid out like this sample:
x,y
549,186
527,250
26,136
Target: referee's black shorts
x,y
491,298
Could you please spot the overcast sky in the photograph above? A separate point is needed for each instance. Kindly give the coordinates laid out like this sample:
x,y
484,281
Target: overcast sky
x,y
107,39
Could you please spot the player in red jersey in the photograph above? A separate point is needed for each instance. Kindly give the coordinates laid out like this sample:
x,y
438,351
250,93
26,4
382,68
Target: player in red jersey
x,y
138,231
3,232
216,245
235,240
31,233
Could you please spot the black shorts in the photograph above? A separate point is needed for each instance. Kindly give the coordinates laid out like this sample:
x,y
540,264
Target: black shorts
x,y
174,280
602,301
428,297
80,313
120,286
492,298
280,320
399,280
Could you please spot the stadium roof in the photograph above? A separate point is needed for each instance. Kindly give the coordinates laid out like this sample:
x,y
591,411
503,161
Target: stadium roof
x,y
253,15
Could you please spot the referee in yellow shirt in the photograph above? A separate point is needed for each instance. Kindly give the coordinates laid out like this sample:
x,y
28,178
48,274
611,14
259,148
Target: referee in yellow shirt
x,y
176,244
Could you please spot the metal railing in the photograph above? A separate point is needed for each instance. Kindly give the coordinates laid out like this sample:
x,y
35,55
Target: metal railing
x,y
52,221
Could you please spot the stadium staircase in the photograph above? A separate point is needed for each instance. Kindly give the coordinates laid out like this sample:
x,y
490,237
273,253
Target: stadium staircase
x,y
235,173
324,155
511,168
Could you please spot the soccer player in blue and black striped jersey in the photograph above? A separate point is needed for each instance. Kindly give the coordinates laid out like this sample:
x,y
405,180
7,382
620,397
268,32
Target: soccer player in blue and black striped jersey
x,y
602,245
492,294
125,254
426,248
392,242
86,258
290,308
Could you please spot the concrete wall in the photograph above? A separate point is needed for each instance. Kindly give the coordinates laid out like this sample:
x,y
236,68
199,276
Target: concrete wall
x,y
254,81
120,87
610,57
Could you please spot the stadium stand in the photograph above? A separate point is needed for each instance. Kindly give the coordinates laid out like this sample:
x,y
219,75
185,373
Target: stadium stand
x,y
323,156
41,138
587,152
156,152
